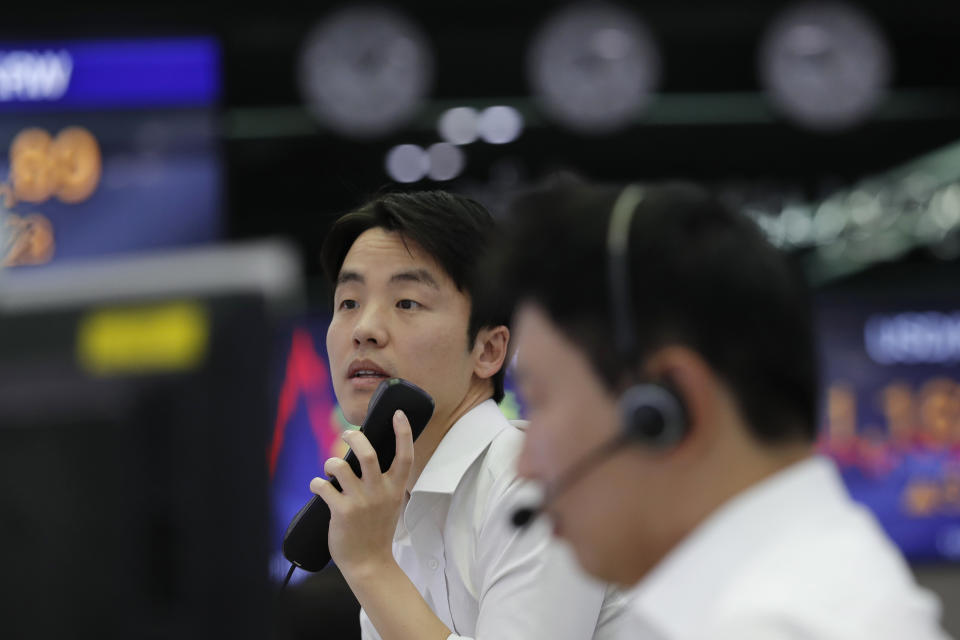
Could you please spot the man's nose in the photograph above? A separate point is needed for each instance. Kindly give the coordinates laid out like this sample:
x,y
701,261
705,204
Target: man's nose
x,y
371,327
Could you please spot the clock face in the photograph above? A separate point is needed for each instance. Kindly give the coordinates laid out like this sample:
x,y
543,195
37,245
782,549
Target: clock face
x,y
593,67
364,71
825,66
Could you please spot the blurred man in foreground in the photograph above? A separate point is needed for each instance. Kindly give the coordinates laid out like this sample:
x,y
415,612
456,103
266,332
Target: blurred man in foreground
x,y
666,355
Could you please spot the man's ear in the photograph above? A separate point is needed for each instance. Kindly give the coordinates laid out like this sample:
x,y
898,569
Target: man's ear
x,y
490,350
693,379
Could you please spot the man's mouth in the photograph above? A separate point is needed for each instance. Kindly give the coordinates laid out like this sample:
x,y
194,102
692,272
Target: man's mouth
x,y
366,370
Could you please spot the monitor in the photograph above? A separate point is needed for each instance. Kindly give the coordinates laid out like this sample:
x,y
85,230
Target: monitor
x,y
134,421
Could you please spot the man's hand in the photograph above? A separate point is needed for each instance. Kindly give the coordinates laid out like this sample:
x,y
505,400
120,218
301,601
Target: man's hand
x,y
363,520
364,517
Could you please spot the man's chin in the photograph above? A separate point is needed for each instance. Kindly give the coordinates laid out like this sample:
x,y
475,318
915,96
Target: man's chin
x,y
353,405
355,415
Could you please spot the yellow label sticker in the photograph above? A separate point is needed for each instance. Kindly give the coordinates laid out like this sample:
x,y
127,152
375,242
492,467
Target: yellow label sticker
x,y
144,339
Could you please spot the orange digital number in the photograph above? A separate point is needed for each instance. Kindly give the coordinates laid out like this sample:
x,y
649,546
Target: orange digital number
x,y
841,413
940,411
68,166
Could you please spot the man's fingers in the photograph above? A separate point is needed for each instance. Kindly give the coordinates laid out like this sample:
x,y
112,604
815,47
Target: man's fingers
x,y
327,492
366,454
339,469
403,461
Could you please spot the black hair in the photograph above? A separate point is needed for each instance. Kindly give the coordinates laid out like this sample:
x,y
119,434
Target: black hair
x,y
455,230
700,275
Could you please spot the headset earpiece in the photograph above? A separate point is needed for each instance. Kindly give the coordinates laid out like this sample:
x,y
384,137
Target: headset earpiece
x,y
651,414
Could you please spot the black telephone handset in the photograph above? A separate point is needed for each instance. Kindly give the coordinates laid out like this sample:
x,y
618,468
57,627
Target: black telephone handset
x,y
305,542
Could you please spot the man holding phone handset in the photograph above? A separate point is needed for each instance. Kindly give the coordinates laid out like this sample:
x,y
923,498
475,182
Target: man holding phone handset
x,y
427,547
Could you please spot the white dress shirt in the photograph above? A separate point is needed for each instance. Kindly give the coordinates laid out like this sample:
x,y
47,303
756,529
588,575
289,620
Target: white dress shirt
x,y
481,576
791,558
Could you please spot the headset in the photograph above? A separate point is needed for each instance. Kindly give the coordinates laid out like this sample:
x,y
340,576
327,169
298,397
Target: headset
x,y
651,413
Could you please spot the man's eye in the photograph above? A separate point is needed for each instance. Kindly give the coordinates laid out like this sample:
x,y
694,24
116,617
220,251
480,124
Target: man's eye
x,y
408,304
348,304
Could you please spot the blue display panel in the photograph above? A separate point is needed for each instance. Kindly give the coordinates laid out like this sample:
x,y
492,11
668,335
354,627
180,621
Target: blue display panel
x,y
891,413
81,75
108,146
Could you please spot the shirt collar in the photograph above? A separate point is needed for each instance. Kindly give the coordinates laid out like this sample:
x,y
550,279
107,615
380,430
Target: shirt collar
x,y
676,594
460,447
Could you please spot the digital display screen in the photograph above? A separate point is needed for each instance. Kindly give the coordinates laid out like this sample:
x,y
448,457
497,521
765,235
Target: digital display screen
x,y
891,413
108,147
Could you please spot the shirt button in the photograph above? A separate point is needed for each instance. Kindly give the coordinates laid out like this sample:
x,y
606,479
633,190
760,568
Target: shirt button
x,y
433,564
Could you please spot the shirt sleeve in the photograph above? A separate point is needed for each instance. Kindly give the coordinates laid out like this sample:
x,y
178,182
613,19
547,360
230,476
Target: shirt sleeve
x,y
531,587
